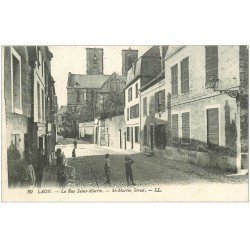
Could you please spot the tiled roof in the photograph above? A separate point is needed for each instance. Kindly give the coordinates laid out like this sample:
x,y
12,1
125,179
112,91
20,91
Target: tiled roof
x,y
86,81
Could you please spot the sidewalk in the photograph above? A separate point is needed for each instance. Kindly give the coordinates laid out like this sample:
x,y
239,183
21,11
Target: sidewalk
x,y
118,150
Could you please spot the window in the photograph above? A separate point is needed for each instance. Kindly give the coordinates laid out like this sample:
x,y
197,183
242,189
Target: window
x,y
16,81
38,101
134,111
128,136
185,75
130,62
211,62
127,114
174,80
185,127
175,128
160,101
145,135
130,94
145,106
212,127
136,134
160,136
136,90
95,62
78,96
16,139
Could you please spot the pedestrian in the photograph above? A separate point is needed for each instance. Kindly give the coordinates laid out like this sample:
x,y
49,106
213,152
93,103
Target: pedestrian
x,y
75,143
30,177
41,164
129,172
73,153
60,168
107,168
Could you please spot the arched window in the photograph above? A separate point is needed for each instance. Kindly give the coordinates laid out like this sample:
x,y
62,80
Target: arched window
x,y
130,62
94,61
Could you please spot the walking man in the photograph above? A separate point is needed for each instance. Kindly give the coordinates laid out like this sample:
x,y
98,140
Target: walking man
x,y
60,168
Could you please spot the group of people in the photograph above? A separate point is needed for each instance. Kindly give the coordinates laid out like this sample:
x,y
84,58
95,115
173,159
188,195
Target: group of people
x,y
25,173
128,170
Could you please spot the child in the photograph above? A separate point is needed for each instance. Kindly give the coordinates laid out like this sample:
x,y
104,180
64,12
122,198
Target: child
x,y
74,153
129,173
107,168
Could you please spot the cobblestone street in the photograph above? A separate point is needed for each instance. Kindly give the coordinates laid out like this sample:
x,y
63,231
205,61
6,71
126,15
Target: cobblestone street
x,y
147,171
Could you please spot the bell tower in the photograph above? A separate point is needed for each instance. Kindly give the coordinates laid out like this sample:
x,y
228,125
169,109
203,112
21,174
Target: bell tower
x,y
129,57
94,61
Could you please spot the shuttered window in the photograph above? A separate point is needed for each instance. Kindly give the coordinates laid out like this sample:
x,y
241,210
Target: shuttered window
x,y
160,101
185,75
211,62
128,130
134,111
186,127
175,127
130,94
136,134
145,106
145,135
136,90
213,127
174,80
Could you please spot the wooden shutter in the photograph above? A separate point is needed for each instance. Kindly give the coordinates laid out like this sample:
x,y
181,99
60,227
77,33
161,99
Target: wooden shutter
x,y
156,101
211,62
145,137
186,127
145,106
185,75
213,127
174,80
163,100
175,127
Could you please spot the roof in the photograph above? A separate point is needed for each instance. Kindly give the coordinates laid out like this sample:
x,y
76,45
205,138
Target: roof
x,y
157,79
172,50
86,81
62,110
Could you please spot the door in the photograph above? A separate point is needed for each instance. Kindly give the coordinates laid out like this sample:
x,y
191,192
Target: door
x,y
120,136
151,136
132,138
212,127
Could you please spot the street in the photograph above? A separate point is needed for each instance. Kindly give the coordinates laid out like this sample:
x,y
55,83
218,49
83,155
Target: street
x,y
147,171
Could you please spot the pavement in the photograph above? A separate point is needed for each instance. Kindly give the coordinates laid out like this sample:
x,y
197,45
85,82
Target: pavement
x,y
147,170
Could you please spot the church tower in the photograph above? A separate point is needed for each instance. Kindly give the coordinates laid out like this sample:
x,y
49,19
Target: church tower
x,y
128,58
94,61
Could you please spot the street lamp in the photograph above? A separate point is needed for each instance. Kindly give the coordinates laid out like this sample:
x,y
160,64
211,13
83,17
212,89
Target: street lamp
x,y
234,93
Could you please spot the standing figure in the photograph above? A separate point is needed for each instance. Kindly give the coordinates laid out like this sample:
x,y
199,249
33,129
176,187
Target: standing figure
x,y
129,173
75,143
30,177
107,168
41,163
60,168
73,153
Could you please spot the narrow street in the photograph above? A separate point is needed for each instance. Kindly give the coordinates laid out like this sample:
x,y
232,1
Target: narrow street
x,y
89,167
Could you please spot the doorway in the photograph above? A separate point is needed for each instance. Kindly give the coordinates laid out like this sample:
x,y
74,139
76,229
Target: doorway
x,y
151,136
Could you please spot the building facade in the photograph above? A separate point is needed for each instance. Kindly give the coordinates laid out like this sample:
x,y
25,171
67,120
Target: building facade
x,y
29,94
61,120
202,82
147,67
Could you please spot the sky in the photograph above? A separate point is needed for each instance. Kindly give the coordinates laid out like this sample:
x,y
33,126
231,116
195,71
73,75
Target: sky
x,y
73,59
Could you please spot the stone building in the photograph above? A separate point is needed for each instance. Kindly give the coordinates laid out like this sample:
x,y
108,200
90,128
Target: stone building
x,y
61,119
88,95
204,85
129,57
29,95
147,67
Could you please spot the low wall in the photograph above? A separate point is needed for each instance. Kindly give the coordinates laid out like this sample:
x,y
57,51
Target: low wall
x,y
202,159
